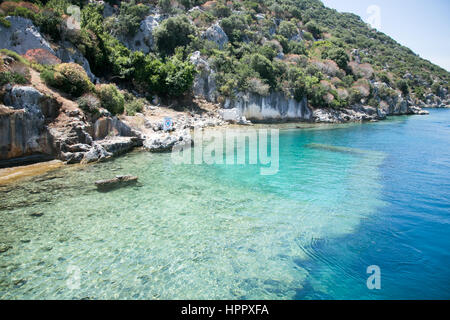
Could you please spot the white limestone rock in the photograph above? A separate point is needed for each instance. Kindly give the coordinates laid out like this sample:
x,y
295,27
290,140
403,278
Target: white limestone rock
x,y
22,36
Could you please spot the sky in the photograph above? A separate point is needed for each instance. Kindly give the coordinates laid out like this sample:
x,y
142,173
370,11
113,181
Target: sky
x,y
423,26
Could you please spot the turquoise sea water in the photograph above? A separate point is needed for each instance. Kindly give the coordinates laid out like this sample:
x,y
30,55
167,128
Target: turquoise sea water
x,y
227,232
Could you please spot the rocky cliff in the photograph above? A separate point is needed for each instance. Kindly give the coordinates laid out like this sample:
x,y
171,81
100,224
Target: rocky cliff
x,y
32,122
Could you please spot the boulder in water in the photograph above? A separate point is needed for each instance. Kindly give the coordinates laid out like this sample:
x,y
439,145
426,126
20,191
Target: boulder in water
x,y
117,182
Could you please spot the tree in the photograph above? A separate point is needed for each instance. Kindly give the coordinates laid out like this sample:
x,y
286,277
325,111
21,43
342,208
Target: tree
x,y
165,5
402,85
130,17
173,32
263,66
287,29
339,56
312,27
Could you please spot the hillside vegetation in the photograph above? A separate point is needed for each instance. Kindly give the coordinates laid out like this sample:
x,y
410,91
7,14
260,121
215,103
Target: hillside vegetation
x,y
298,47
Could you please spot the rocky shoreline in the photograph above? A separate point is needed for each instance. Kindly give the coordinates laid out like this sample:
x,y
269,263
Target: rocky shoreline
x,y
41,123
35,123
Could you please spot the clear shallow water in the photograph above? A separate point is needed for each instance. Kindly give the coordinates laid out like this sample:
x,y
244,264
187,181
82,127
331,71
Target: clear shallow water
x,y
226,232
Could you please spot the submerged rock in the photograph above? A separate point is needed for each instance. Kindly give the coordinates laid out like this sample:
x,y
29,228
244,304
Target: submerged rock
x,y
117,182
36,214
4,248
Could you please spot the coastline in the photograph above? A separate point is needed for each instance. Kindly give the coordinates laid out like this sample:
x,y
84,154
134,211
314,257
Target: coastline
x,y
18,173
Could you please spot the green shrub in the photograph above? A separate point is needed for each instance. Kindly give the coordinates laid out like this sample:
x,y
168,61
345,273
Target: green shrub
x,y
315,30
23,12
111,98
308,36
355,96
4,22
133,106
221,11
68,77
174,77
263,67
402,85
165,5
89,103
338,55
287,29
173,32
178,76
129,18
234,26
12,78
383,76
297,47
58,6
49,22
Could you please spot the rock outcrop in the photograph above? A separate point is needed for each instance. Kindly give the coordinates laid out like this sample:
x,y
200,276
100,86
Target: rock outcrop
x,y
216,34
22,36
32,123
143,39
23,122
165,141
205,81
67,52
359,113
277,107
274,107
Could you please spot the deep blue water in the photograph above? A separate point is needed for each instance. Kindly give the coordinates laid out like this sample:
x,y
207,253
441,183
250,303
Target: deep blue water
x,y
408,237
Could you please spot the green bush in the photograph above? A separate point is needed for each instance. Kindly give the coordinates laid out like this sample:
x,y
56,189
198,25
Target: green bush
x,y
58,6
338,55
297,47
49,22
178,76
355,96
314,29
68,77
129,18
402,85
4,22
263,67
172,33
234,26
308,36
287,29
165,5
133,105
23,12
89,103
221,11
111,98
12,78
